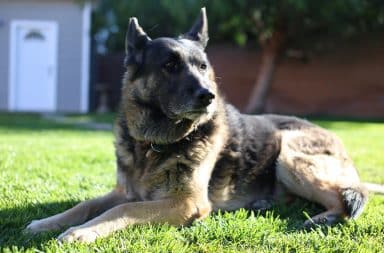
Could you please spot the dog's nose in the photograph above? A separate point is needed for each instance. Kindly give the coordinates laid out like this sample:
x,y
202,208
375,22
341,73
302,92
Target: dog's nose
x,y
204,97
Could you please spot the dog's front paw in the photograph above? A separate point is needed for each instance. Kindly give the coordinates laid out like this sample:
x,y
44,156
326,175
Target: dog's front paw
x,y
73,234
327,220
43,225
261,205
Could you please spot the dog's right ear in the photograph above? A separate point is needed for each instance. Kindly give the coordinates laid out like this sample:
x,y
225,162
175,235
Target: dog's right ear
x,y
135,41
199,31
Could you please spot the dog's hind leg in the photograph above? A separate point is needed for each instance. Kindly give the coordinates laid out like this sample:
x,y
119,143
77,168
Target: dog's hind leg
x,y
78,214
353,200
325,180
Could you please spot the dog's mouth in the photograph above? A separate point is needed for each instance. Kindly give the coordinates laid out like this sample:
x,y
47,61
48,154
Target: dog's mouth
x,y
190,114
194,114
197,113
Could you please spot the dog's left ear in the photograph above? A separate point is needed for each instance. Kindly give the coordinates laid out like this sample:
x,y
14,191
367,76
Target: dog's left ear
x,y
199,31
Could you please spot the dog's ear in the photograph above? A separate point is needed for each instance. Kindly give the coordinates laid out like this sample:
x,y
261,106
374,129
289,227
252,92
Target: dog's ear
x,y
199,31
135,41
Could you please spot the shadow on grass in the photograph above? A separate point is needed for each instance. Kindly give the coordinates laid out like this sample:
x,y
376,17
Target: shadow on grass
x,y
34,121
294,213
320,117
14,220
329,122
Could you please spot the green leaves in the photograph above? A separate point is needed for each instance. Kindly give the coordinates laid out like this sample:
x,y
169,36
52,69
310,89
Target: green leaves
x,y
239,21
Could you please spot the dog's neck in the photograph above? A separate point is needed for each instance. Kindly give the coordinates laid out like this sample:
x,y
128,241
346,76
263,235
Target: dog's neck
x,y
200,133
148,124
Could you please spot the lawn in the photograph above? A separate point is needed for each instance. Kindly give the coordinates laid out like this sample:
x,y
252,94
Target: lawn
x,y
48,167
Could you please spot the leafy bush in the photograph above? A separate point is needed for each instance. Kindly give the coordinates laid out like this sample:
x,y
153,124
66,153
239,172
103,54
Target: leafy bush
x,y
239,21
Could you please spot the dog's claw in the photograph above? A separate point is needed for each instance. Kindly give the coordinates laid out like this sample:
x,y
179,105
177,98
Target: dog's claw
x,y
74,234
38,226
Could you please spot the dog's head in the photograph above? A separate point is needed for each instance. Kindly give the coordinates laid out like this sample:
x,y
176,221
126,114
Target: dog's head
x,y
171,74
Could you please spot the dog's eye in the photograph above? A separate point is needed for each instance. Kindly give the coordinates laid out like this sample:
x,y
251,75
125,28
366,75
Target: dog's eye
x,y
171,66
203,66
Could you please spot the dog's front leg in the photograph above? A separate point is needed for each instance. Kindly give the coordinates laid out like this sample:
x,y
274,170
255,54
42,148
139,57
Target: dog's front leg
x,y
78,214
172,211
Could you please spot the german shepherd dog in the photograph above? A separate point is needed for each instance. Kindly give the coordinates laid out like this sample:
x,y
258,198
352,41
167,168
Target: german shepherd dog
x,y
182,152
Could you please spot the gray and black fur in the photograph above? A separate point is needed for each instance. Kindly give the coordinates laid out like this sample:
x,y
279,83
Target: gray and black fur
x,y
162,80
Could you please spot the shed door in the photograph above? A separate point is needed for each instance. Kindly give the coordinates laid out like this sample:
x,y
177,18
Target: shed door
x,y
34,66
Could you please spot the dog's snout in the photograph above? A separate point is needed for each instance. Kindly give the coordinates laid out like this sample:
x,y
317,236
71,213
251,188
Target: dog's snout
x,y
204,97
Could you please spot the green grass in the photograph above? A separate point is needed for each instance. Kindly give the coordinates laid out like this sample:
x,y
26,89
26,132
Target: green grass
x,y
46,168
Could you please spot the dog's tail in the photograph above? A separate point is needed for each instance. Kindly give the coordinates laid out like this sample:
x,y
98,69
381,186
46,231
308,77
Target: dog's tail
x,y
375,188
354,199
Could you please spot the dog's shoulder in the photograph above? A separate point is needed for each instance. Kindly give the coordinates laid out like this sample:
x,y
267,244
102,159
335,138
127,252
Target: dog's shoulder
x,y
249,129
253,143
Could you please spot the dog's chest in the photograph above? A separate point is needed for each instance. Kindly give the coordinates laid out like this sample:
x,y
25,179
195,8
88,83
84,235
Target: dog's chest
x,y
157,173
149,172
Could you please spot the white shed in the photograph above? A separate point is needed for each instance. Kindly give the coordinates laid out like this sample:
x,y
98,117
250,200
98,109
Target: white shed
x,y
44,55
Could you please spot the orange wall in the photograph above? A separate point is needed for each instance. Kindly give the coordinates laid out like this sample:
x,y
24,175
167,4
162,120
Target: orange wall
x,y
347,80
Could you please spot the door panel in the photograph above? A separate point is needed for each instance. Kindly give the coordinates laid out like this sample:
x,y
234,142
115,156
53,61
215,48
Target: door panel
x,y
34,86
